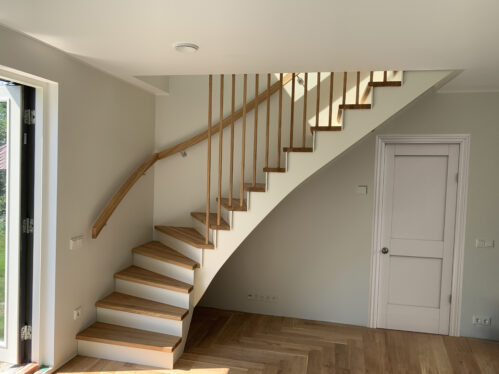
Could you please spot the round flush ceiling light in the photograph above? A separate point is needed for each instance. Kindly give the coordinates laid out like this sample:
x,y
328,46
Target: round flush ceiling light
x,y
186,47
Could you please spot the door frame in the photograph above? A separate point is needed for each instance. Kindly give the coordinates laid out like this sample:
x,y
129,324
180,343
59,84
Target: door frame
x,y
463,141
45,212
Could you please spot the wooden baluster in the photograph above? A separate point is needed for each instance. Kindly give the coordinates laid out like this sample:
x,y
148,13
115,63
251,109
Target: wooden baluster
x,y
318,103
292,115
243,144
331,87
267,124
385,76
279,123
345,77
367,90
220,149
357,89
255,133
304,110
208,164
340,111
231,168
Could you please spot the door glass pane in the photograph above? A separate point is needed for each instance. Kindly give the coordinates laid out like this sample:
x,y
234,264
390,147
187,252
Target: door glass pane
x,y
3,190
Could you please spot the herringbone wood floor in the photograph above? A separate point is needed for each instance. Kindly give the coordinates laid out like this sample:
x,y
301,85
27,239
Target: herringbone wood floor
x,y
223,342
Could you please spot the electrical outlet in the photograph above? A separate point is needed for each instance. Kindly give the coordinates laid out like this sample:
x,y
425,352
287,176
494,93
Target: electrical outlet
x,y
481,321
77,313
262,298
482,243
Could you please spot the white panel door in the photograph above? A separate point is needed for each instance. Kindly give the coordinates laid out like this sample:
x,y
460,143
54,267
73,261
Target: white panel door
x,y
418,224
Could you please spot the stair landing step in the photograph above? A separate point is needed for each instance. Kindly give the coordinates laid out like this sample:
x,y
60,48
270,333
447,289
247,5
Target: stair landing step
x,y
386,84
258,187
236,205
298,149
188,235
201,217
274,170
161,252
355,106
125,336
325,128
132,304
149,278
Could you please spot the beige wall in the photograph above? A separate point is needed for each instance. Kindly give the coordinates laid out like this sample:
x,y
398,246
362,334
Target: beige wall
x,y
313,250
105,128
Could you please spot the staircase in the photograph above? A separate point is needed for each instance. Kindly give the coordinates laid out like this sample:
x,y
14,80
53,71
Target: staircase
x,y
146,320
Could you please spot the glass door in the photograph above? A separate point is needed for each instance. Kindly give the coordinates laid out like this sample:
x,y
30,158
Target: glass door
x,y
10,219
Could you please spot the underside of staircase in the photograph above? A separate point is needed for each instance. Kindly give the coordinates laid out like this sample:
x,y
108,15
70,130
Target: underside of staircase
x,y
146,319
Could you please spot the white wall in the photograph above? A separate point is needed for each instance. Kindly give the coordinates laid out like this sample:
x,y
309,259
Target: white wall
x,y
313,250
105,129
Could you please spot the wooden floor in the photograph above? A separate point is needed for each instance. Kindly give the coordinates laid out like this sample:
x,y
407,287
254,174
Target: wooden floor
x,y
223,342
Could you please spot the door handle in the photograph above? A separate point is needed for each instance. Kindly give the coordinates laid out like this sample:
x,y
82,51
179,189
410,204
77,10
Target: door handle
x,y
384,250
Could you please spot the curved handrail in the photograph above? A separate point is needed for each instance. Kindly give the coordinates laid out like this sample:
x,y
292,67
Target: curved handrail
x,y
111,206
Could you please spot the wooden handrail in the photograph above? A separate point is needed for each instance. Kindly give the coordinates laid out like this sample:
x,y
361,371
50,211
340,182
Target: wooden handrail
x,y
111,206
100,222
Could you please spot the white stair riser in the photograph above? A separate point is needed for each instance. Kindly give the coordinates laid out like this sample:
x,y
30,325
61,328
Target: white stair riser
x,y
127,354
185,331
193,253
140,321
164,268
160,295
201,228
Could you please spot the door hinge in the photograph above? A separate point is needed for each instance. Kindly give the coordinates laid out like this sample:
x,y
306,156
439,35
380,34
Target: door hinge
x,y
29,117
450,299
26,332
28,225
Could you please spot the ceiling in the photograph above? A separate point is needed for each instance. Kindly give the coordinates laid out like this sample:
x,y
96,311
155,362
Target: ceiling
x,y
129,38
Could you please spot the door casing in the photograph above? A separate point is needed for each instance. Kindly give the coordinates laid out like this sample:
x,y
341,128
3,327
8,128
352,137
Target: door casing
x,y
463,141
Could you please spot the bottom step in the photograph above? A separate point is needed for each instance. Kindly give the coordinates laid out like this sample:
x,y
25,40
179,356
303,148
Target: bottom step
x,y
125,336
126,344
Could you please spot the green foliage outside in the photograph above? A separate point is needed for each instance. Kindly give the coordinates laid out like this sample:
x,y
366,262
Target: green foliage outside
x,y
3,139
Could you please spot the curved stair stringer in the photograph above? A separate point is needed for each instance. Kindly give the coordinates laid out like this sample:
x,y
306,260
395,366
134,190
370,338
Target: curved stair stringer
x,y
300,166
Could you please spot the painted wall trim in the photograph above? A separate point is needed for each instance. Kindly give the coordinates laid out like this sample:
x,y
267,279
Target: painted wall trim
x,y
463,140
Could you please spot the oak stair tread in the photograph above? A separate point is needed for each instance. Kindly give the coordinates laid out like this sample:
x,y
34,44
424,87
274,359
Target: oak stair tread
x,y
188,235
298,149
325,128
236,204
125,336
355,106
386,84
161,252
258,187
132,304
201,217
149,278
274,170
